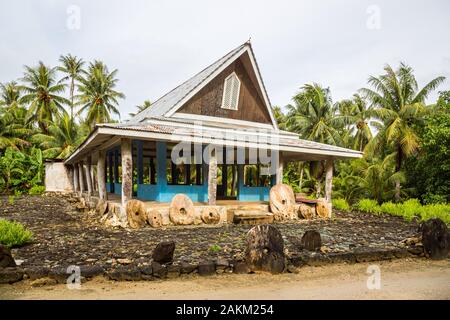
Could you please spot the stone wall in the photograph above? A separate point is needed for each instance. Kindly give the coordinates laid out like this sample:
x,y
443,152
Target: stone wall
x,y
57,177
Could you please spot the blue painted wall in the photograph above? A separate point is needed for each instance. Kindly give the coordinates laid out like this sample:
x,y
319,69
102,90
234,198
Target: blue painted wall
x,y
164,192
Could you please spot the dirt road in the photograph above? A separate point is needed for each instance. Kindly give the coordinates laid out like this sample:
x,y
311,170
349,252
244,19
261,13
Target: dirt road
x,y
401,279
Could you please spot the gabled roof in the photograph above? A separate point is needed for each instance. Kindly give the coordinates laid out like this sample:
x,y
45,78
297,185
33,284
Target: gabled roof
x,y
168,104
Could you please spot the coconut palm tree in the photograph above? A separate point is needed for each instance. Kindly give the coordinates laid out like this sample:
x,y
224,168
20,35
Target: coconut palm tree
x,y
399,103
72,67
64,136
97,94
41,92
313,116
9,95
140,108
357,115
13,133
280,117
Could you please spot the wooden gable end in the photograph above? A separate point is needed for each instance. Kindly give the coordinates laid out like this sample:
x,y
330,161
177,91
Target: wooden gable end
x,y
208,101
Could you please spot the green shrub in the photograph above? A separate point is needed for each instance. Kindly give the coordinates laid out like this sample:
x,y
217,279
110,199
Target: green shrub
x,y
341,204
36,190
368,205
13,234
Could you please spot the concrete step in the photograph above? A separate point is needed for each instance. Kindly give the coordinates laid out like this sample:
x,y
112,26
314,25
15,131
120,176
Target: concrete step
x,y
252,217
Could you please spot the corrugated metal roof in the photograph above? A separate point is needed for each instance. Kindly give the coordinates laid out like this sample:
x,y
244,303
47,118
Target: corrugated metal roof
x,y
281,138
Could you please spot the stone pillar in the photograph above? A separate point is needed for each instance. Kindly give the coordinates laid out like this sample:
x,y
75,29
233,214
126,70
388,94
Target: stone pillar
x,y
111,171
212,177
127,174
81,176
328,182
88,175
76,181
280,167
101,175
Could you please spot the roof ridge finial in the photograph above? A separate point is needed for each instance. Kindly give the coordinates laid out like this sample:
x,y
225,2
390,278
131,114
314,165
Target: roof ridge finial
x,y
249,40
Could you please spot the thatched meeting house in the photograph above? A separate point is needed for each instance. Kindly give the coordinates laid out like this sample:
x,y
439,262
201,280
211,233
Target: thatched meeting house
x,y
214,138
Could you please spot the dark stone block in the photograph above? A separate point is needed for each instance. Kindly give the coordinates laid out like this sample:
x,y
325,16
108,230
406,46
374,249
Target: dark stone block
x,y
34,273
173,271
435,238
124,274
206,268
311,240
187,268
10,275
159,270
163,252
6,259
265,249
91,271
241,267
146,270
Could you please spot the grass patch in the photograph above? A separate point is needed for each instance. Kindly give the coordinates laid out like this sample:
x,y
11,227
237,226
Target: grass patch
x,y
408,210
13,234
340,204
36,190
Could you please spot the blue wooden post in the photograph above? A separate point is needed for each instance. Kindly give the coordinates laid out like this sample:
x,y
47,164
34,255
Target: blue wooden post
x,y
161,154
140,164
240,168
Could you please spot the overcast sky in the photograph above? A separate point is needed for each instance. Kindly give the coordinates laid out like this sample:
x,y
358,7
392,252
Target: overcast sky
x,y
156,45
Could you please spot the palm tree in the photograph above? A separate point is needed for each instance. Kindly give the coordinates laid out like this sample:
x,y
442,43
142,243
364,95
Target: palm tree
x,y
42,93
72,67
357,115
14,128
64,136
280,117
9,95
140,108
399,103
13,133
313,117
97,95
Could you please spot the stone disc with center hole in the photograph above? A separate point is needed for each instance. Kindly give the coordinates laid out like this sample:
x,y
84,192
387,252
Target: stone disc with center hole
x,y
282,202
137,217
181,211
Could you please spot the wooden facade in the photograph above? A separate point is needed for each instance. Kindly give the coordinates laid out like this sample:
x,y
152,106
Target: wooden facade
x,y
208,100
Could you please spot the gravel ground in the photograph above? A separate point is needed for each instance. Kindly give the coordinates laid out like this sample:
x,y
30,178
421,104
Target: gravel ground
x,y
64,236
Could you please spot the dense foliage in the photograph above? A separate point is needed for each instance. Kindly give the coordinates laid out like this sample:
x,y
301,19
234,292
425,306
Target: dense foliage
x,y
404,141
47,113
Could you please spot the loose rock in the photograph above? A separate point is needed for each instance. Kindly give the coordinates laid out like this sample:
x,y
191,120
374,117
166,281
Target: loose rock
x,y
163,253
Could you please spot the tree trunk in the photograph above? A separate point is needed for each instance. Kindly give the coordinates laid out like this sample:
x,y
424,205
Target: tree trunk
x,y
398,167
